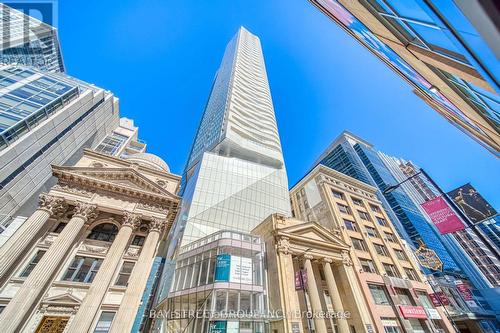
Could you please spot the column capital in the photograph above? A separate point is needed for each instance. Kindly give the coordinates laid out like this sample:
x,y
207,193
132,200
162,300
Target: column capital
x,y
53,205
327,260
86,211
283,245
157,224
308,256
131,219
346,259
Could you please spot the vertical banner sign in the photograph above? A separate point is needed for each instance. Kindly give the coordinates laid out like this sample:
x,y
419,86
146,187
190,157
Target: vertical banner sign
x,y
442,216
240,270
443,298
222,267
300,279
434,299
472,203
464,292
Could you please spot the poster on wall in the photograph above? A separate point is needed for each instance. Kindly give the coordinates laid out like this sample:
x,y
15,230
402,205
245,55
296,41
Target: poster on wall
x,y
443,217
234,269
474,206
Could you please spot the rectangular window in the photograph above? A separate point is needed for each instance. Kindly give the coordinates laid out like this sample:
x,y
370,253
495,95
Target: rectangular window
x,y
371,232
358,244
104,323
124,275
400,255
343,208
379,294
337,195
381,221
390,237
364,216
350,225
404,296
357,202
391,270
375,209
34,260
424,299
368,266
411,274
82,269
381,250
138,240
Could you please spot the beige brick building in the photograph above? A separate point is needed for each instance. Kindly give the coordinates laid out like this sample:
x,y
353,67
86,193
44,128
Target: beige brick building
x,y
352,258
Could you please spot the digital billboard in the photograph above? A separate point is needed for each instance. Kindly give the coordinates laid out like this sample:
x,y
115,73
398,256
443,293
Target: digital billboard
x,y
472,203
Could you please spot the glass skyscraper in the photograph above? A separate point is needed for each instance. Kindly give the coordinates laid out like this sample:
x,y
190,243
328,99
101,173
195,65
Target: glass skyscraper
x,y
25,40
235,175
358,159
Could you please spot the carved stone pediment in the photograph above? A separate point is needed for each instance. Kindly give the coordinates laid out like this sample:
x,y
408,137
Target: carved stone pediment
x,y
314,234
120,181
65,299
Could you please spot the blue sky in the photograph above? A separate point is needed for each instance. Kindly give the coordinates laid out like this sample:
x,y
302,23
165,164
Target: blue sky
x,y
160,57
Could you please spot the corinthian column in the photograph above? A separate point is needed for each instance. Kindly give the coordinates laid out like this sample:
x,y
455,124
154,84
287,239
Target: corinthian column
x,y
19,243
91,304
312,291
334,294
137,282
19,308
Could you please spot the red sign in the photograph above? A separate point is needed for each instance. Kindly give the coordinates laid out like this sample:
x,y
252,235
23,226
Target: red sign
x,y
409,311
443,217
465,292
435,300
443,298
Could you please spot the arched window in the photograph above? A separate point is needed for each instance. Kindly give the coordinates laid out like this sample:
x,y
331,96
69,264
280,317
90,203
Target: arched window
x,y
104,232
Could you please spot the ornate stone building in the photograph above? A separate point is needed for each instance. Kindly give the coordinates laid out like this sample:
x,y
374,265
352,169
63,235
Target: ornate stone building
x,y
81,261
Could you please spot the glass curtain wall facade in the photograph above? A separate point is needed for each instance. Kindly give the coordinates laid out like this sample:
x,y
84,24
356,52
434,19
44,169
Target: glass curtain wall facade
x,y
27,41
222,279
436,49
236,155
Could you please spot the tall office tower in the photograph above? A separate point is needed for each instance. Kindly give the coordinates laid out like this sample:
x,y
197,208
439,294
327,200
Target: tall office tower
x,y
25,40
45,118
447,51
357,158
235,175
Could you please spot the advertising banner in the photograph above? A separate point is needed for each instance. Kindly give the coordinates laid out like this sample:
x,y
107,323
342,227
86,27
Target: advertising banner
x,y
219,326
432,314
300,279
472,203
465,292
235,269
442,216
410,311
241,270
443,298
222,266
428,258
435,299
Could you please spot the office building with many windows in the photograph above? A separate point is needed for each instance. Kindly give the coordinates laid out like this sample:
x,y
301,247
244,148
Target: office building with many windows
x,y
378,281
446,50
45,118
25,40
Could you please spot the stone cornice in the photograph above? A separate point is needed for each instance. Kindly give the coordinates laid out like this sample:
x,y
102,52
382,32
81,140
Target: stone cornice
x,y
127,164
94,184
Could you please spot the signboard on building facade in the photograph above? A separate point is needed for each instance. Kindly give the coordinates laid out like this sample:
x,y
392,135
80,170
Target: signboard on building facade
x,y
465,292
428,258
434,299
443,298
432,313
443,217
410,311
235,269
472,203
300,279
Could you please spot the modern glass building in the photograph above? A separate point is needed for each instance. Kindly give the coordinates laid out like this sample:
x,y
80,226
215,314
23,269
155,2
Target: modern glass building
x,y
446,50
25,40
45,118
357,158
235,175
220,285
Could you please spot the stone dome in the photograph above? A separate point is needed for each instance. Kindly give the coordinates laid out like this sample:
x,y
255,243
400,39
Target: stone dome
x,y
148,160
